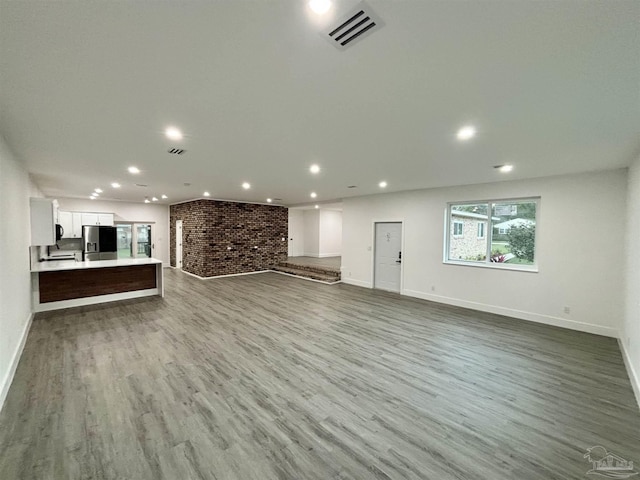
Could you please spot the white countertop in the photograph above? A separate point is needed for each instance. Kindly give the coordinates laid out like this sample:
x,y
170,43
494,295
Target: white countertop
x,y
57,265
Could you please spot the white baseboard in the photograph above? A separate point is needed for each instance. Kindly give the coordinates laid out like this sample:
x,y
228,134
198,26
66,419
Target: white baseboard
x,y
13,366
324,255
523,315
633,374
357,283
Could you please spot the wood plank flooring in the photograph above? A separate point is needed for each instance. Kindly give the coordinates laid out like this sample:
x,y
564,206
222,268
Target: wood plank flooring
x,y
270,377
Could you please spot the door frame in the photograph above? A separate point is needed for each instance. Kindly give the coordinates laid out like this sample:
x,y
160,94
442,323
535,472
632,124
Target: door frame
x,y
373,251
179,247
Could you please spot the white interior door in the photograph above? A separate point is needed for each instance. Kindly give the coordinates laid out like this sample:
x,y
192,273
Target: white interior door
x,y
387,272
179,244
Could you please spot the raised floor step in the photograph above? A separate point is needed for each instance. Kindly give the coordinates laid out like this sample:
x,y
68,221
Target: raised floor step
x,y
299,272
312,268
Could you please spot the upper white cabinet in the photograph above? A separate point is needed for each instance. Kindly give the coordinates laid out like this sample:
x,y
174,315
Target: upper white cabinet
x,y
72,222
97,218
43,221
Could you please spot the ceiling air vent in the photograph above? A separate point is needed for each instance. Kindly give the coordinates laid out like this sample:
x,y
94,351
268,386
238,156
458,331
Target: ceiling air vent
x,y
176,151
354,26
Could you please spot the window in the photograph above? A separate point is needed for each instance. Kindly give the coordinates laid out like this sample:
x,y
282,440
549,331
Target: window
x,y
506,233
457,229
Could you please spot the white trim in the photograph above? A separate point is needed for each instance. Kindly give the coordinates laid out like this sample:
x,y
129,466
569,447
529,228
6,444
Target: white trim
x,y
303,278
81,302
325,255
357,283
517,267
633,374
520,314
15,360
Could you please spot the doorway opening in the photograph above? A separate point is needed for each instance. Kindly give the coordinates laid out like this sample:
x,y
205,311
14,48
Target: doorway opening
x,y
387,256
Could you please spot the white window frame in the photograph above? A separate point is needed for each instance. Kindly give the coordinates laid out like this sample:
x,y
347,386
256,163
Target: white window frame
x,y
461,234
489,235
483,234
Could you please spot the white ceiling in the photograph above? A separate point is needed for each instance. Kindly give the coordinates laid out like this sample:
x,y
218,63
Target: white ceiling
x,y
87,89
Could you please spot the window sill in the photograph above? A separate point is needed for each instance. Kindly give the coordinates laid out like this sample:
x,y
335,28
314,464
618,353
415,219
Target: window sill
x,y
494,266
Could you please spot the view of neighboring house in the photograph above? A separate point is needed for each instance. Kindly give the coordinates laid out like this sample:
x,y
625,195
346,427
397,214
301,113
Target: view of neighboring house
x,y
468,235
504,227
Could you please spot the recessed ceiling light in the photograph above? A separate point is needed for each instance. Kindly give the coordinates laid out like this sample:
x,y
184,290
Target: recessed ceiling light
x,y
269,200
98,190
164,197
317,206
155,199
92,197
95,194
505,168
466,133
146,200
314,194
115,185
314,168
173,133
246,185
206,194
382,184
320,6
134,170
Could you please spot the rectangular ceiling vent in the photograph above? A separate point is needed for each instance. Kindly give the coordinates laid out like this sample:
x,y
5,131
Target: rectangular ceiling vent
x,y
353,27
177,151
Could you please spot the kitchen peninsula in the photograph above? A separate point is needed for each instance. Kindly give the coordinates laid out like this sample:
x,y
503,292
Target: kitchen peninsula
x,y
65,283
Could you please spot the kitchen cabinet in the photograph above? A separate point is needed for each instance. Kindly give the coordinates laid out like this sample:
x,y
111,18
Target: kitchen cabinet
x,y
97,218
71,222
43,221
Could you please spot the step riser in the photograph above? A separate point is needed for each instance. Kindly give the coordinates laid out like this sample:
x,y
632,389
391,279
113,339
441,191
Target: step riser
x,y
311,268
308,274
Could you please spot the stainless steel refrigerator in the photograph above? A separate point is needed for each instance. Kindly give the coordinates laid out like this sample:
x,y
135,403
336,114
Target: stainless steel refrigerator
x,y
99,243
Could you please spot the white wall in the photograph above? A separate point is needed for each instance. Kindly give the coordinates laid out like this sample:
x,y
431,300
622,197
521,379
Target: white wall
x,y
311,233
630,335
579,249
15,280
130,212
330,233
296,233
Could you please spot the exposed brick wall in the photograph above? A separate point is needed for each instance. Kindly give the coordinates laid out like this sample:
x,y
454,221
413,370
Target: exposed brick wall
x,y
210,227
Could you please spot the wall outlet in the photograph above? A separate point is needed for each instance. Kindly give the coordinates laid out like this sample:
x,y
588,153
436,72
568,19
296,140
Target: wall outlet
x,y
567,310
369,248
433,288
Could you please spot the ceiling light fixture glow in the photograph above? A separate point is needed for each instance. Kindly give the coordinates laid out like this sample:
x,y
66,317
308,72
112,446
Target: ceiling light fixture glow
x,y
246,185
173,133
466,133
98,190
146,200
115,185
164,197
314,194
317,206
506,168
206,194
92,197
134,170
155,199
382,184
269,200
314,168
320,6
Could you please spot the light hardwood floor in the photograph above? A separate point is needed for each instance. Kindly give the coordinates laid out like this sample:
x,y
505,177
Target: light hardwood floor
x,y
271,377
